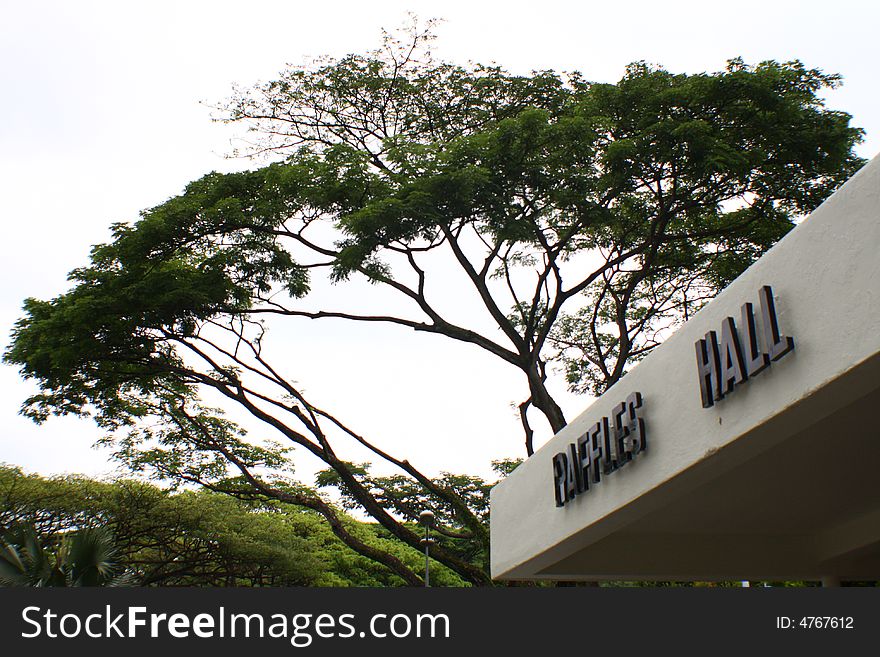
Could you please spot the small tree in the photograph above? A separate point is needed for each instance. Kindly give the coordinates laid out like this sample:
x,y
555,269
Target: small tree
x,y
587,219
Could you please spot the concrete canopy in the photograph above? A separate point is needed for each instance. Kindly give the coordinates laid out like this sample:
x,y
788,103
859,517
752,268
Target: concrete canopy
x,y
780,479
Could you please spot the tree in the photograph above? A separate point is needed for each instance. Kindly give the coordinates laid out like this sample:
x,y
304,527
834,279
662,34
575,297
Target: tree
x,y
163,537
587,219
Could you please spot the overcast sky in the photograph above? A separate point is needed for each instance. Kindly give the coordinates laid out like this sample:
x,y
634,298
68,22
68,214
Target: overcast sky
x,y
101,117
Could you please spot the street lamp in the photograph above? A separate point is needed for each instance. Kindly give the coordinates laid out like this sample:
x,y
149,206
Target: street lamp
x,y
427,519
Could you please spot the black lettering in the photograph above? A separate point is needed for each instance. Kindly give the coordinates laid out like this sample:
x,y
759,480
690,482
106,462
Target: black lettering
x,y
581,483
605,441
595,445
638,441
776,345
560,468
621,433
733,368
756,360
709,368
583,450
740,356
571,486
608,445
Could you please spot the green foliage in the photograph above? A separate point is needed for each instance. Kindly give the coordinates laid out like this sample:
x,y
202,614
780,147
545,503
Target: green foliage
x,y
85,557
82,532
680,181
407,498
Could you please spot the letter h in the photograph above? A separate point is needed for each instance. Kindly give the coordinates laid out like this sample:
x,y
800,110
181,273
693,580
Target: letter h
x,y
709,368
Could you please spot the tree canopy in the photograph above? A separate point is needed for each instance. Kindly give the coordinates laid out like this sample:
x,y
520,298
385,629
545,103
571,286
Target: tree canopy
x,y
587,220
163,537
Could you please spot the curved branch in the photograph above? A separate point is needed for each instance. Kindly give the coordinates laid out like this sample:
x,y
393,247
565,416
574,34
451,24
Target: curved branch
x,y
311,502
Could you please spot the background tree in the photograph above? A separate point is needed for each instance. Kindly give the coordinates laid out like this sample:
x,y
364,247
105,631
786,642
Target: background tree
x,y
587,219
161,537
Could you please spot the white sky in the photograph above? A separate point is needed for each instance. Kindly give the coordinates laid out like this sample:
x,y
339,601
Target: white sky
x,y
100,118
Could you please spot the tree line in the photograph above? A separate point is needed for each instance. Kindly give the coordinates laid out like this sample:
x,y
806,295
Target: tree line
x,y
150,536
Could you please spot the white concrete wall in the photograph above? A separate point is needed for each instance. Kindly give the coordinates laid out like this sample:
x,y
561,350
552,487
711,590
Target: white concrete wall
x,y
825,276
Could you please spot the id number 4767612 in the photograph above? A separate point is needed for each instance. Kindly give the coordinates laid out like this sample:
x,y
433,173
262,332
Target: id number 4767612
x,y
815,623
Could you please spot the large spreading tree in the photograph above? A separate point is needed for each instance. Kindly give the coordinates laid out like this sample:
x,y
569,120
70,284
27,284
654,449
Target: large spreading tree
x,y
586,219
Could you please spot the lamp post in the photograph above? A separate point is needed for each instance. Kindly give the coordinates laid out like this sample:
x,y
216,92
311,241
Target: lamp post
x,y
427,519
